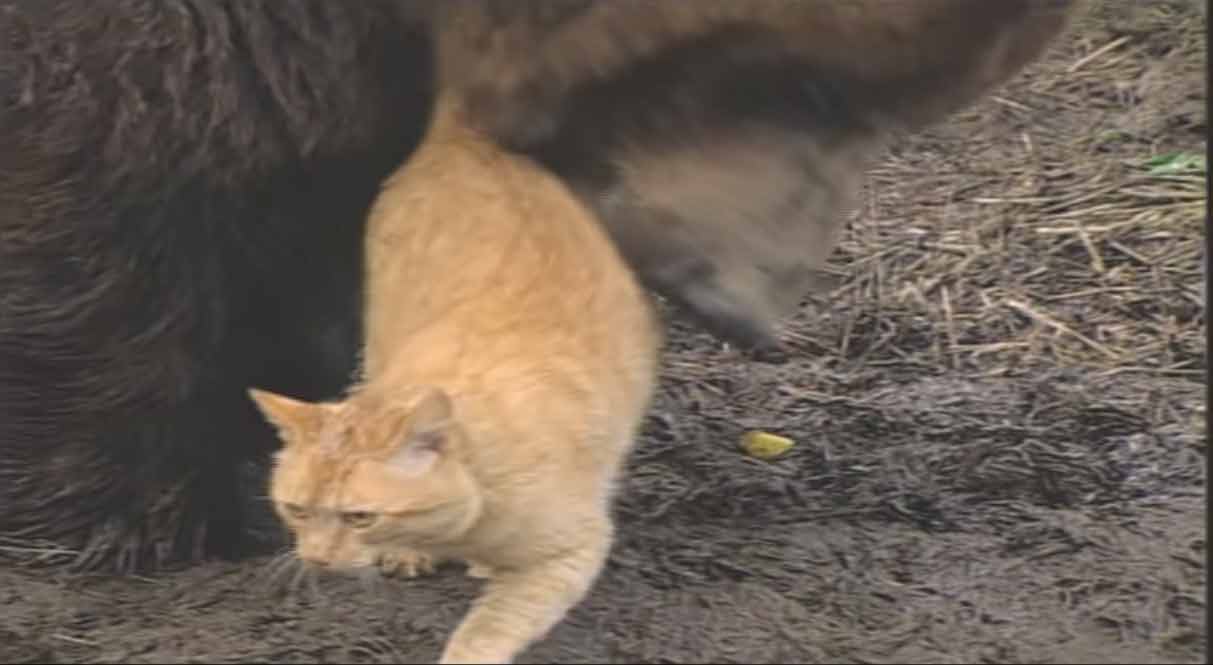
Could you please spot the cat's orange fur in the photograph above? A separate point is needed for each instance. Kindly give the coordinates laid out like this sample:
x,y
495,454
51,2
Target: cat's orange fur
x,y
510,355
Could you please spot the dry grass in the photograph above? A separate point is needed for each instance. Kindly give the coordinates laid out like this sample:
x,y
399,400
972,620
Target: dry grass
x,y
1060,248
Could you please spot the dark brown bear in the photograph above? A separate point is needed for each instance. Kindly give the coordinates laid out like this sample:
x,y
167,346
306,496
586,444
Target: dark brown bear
x,y
183,185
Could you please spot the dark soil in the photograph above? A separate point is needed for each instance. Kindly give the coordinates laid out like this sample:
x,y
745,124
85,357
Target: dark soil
x,y
999,419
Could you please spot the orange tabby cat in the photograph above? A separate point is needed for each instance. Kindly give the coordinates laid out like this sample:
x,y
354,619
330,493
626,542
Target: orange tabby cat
x,y
510,355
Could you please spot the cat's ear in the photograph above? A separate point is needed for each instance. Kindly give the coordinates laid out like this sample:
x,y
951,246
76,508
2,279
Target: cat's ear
x,y
427,435
290,416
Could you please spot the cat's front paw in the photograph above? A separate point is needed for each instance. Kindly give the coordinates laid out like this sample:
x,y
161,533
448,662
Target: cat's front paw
x,y
471,645
406,563
456,656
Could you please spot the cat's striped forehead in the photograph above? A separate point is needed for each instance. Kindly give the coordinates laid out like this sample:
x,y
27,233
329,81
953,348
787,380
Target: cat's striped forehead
x,y
318,473
334,438
355,428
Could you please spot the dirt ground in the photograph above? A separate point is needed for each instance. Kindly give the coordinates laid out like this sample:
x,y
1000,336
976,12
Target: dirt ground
x,y
999,419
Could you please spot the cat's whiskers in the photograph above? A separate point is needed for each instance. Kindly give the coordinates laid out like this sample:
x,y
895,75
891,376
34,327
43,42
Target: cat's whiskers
x,y
301,571
310,577
370,579
277,569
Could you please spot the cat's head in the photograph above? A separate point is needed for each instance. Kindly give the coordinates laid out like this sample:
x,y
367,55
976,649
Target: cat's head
x,y
356,480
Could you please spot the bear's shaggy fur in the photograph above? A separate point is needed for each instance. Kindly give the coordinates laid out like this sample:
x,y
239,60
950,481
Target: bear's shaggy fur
x,y
183,185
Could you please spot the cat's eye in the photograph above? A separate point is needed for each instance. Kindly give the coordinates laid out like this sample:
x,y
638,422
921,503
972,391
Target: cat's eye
x,y
295,511
359,519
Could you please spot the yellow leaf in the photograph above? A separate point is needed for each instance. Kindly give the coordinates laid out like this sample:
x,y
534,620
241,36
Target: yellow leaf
x,y
765,445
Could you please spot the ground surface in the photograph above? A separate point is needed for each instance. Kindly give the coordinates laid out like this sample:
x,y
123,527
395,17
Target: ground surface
x,y
1000,426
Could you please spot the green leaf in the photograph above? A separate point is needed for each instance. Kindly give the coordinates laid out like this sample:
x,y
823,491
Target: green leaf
x,y
1176,162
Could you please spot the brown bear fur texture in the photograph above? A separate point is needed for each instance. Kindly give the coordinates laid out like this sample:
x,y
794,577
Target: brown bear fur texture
x,y
181,210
